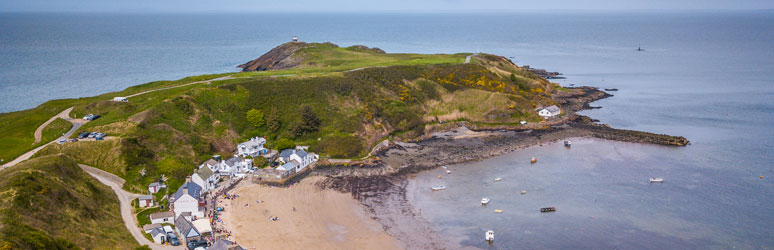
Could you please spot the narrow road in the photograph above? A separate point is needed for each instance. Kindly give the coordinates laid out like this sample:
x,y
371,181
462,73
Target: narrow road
x,y
77,123
181,85
467,59
124,200
39,132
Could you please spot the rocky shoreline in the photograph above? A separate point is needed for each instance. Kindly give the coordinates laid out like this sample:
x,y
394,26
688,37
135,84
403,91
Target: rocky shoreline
x,y
379,183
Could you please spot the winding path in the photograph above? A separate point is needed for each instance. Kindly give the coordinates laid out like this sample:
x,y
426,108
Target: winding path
x,y
77,123
181,85
124,200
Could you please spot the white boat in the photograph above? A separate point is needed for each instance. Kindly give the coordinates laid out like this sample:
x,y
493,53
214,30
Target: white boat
x,y
448,171
656,179
437,188
534,159
498,179
484,201
567,143
444,167
523,191
489,236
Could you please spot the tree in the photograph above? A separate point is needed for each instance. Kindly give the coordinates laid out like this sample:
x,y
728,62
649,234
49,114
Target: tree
x,y
255,117
308,123
272,121
309,119
284,144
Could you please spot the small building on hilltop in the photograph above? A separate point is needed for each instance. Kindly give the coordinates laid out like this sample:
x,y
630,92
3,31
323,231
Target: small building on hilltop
x,y
549,112
120,99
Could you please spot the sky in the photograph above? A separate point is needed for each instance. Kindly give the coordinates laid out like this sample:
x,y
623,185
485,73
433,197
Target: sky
x,y
370,5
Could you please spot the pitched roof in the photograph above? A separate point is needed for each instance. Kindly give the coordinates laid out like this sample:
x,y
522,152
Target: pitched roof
x,y
154,184
211,162
193,190
159,215
205,173
232,161
157,231
184,226
146,197
254,142
223,245
287,152
290,165
301,153
552,108
151,226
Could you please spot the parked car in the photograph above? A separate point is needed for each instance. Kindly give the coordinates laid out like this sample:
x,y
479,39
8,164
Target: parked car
x,y
62,141
197,243
72,140
92,134
99,138
172,239
88,117
101,134
95,117
83,135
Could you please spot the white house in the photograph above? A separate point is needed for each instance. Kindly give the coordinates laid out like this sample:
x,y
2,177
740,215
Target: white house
x,y
145,200
155,186
234,166
253,147
186,199
302,158
549,112
186,230
162,217
158,235
212,164
205,178
290,166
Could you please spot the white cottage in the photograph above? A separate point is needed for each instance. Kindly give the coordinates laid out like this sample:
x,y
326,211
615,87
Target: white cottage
x,y
235,166
155,186
205,178
298,159
186,199
145,200
162,217
549,112
253,147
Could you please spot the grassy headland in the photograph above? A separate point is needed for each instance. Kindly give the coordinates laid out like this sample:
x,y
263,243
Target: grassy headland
x,y
339,101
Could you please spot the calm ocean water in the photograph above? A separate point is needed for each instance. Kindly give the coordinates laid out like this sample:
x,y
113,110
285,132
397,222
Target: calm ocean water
x,y
706,76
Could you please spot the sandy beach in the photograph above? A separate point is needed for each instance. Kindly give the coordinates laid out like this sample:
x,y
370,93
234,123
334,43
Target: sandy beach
x,y
323,219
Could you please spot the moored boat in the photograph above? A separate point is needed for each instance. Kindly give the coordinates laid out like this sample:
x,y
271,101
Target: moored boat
x,y
534,159
523,191
484,201
448,171
437,188
489,236
656,179
568,143
498,211
498,179
547,209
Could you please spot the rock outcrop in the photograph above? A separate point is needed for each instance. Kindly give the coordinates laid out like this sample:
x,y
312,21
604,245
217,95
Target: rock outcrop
x,y
280,57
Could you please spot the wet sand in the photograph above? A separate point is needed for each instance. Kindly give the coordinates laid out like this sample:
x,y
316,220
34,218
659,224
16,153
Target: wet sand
x,y
324,219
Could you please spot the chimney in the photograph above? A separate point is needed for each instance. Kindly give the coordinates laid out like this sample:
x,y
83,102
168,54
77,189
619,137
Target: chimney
x,y
187,179
216,158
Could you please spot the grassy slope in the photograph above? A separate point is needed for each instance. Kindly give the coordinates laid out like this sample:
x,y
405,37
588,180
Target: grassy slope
x,y
170,132
17,128
50,203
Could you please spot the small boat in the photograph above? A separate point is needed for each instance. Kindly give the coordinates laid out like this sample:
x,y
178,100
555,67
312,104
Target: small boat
x,y
656,179
489,236
448,171
613,89
498,179
547,209
568,143
534,159
523,191
444,167
498,211
639,48
484,201
438,188
439,177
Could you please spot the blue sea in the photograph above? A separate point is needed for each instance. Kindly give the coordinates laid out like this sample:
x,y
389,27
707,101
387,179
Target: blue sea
x,y
703,75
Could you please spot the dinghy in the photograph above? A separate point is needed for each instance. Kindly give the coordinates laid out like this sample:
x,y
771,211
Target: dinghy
x,y
438,188
484,201
489,236
656,179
